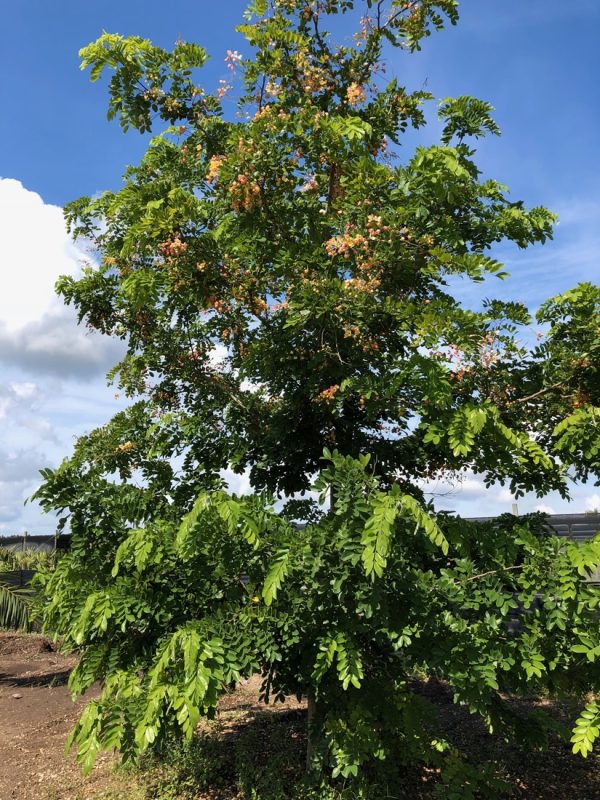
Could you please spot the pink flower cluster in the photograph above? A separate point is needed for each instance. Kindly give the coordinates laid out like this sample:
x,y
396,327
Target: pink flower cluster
x,y
232,59
173,247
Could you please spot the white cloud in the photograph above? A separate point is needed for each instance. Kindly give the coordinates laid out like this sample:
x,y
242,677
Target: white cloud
x,y
52,385
465,485
42,428
237,484
19,467
592,503
35,249
472,487
37,332
217,355
24,390
14,397
19,403
505,496
249,386
545,509
54,345
19,473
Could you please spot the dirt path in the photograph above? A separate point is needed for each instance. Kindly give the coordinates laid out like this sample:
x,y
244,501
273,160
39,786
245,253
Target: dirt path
x,y
36,715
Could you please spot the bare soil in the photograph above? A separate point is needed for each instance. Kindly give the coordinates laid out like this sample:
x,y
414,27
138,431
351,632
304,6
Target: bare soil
x,y
37,713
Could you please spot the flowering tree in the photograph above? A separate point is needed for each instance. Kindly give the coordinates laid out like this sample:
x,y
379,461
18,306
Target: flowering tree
x,y
281,282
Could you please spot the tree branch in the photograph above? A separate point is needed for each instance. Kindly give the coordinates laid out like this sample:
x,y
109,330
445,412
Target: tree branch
x,y
539,393
493,572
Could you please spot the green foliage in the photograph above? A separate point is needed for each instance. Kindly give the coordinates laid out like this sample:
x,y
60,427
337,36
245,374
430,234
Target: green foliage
x,y
282,284
14,607
354,603
275,576
24,559
16,601
466,116
587,729
166,77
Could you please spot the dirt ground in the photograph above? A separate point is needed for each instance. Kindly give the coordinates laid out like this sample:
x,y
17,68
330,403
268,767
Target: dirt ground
x,y
36,715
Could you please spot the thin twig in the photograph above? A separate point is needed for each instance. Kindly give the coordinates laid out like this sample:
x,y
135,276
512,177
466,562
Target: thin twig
x,y
493,572
550,388
484,575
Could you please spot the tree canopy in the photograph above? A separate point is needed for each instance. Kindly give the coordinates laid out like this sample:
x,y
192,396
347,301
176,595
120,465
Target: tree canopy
x,y
282,280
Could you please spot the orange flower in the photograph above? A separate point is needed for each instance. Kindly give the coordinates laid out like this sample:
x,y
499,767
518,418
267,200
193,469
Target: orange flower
x,y
173,247
344,244
125,447
355,94
214,165
328,394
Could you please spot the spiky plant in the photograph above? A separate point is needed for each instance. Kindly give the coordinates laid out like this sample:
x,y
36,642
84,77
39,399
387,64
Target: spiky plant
x,y
15,602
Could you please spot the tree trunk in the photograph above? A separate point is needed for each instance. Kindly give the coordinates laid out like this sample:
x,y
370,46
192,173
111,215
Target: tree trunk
x,y
310,745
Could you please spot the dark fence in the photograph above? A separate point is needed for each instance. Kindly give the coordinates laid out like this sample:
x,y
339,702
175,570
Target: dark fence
x,y
17,578
40,544
575,526
578,527
20,578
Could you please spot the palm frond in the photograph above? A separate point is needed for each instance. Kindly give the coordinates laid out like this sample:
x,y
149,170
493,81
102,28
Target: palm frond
x,y
14,607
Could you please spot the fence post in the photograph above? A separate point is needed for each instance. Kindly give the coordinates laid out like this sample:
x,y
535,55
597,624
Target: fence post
x,y
21,582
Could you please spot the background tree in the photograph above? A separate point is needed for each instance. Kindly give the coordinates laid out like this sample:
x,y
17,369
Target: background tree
x,y
282,282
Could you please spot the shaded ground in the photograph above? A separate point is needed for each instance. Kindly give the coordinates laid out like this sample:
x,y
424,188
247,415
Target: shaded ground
x,y
549,775
250,747
247,746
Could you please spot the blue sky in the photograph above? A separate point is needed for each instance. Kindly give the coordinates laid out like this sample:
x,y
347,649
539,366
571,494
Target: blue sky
x,y
537,61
